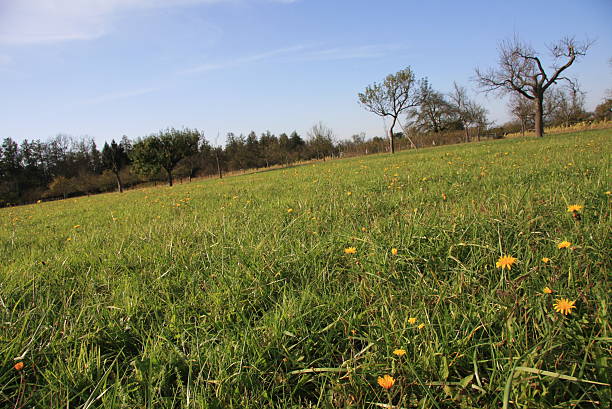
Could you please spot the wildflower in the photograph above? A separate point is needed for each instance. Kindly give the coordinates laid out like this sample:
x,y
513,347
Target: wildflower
x,y
444,196
564,306
608,193
421,326
394,251
564,244
505,262
18,366
412,320
547,290
290,210
574,208
363,229
76,226
349,193
545,260
386,381
350,250
399,352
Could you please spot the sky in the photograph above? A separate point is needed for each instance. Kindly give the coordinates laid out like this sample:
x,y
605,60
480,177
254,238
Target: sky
x,y
107,68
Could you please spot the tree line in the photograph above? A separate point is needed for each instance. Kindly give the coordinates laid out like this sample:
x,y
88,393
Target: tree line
x,y
64,166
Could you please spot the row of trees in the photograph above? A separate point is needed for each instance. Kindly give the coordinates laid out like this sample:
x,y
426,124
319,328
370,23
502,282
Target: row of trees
x,y
64,166
520,73
425,109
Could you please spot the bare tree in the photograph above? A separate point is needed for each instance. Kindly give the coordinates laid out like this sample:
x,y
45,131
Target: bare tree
x,y
521,71
468,112
321,140
522,109
391,98
435,113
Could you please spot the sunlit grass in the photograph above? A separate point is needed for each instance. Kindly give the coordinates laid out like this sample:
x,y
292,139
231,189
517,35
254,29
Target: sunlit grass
x,y
298,287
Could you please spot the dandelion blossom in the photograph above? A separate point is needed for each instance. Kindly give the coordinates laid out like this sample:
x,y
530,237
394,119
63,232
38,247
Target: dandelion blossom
x,y
574,208
18,366
350,250
76,226
547,290
394,251
421,326
386,381
564,244
290,210
505,262
545,260
564,306
399,352
412,320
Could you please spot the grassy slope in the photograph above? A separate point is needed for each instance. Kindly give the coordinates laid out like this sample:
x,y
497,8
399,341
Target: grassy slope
x,y
214,303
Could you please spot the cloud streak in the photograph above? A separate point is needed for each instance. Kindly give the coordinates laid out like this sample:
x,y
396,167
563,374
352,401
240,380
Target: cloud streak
x,y
300,53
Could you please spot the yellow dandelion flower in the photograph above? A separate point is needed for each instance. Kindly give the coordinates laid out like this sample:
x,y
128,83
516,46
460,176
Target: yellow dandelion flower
x,y
564,306
412,320
564,244
394,251
386,381
505,262
574,208
76,226
547,290
349,193
363,229
290,210
421,326
350,250
545,260
608,193
399,352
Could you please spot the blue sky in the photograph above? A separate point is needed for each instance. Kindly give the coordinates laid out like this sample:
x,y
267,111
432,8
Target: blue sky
x,y
105,68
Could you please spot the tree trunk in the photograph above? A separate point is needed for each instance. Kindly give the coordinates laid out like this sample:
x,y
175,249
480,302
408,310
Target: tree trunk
x,y
467,133
119,184
391,136
218,166
169,177
523,126
539,116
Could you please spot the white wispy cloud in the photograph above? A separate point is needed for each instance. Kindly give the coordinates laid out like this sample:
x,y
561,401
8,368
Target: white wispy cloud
x,y
300,53
351,52
49,21
114,96
240,61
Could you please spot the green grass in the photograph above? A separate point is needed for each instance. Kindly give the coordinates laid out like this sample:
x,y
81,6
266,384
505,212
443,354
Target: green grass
x,y
231,301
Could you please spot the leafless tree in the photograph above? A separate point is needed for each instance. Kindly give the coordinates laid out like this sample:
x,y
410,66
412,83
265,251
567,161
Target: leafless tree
x,y
467,111
521,108
395,95
321,140
521,71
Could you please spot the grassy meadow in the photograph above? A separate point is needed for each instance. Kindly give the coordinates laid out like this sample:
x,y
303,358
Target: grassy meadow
x,y
282,289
